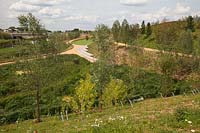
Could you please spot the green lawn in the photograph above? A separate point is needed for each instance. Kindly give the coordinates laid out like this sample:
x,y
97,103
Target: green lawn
x,y
178,114
83,42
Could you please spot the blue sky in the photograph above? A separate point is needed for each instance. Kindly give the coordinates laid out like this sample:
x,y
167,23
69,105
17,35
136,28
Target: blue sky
x,y
86,14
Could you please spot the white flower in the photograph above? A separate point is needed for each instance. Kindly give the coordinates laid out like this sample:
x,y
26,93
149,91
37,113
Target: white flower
x,y
186,120
193,131
95,125
190,122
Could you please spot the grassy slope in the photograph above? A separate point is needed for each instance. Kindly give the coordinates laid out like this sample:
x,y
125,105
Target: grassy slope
x,y
83,42
153,115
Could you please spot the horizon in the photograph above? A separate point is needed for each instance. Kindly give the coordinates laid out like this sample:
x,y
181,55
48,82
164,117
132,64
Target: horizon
x,y
61,15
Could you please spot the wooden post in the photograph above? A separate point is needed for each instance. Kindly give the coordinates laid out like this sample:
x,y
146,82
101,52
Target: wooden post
x,y
161,95
130,103
193,92
62,117
66,115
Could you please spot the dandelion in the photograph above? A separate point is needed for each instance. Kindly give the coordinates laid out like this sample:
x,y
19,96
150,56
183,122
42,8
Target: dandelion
x,y
189,122
193,131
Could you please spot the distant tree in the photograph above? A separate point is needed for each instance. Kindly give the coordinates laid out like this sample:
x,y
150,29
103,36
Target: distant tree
x,y
143,28
185,42
166,35
149,30
190,24
124,34
86,37
85,93
74,34
134,32
115,91
116,30
30,23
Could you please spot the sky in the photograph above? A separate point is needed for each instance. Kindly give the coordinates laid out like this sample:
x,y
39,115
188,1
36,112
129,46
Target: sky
x,y
86,14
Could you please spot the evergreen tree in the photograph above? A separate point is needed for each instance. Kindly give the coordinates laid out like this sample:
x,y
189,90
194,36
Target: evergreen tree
x,y
190,24
116,30
125,32
149,30
143,28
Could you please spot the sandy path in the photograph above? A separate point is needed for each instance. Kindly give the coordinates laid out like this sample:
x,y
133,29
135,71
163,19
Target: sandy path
x,y
80,50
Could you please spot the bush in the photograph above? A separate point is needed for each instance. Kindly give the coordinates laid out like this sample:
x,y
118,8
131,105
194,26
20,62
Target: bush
x,y
4,35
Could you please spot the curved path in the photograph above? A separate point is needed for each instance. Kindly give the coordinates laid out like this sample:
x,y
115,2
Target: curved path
x,y
80,50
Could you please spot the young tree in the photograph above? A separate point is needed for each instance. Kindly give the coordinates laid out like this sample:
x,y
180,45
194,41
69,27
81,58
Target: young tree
x,y
116,30
185,42
149,30
190,24
143,28
38,72
124,34
85,93
103,66
114,92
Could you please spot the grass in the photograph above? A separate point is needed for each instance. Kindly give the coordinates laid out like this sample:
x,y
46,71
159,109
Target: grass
x,y
153,115
83,42
4,41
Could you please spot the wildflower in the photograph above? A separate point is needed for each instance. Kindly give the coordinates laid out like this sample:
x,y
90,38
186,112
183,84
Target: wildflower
x,y
186,120
189,122
193,131
95,125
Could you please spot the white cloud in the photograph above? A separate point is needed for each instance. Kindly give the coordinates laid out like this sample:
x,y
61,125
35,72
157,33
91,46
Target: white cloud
x,y
181,9
82,18
44,2
133,2
51,12
23,7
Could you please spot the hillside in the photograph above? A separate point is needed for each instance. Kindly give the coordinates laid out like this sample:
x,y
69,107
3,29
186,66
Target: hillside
x,y
178,114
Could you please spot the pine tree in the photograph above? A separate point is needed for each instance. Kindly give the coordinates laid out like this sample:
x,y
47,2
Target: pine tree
x,y
125,31
116,30
149,30
190,24
143,28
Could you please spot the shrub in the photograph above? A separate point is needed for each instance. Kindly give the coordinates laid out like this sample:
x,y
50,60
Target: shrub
x,y
4,35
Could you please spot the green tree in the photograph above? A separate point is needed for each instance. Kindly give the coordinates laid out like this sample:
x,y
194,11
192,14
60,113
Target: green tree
x,y
116,30
103,67
143,28
166,35
190,24
124,34
85,93
134,32
185,42
30,23
149,30
38,73
114,92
